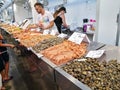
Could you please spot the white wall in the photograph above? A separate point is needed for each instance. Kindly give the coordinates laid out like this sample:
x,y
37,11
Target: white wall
x,y
34,13
77,11
107,11
21,13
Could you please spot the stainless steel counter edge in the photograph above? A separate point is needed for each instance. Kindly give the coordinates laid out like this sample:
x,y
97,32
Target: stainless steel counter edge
x,y
6,30
44,58
48,62
37,54
72,79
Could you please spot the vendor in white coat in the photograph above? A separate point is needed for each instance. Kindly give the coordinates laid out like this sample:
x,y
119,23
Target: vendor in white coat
x,y
45,20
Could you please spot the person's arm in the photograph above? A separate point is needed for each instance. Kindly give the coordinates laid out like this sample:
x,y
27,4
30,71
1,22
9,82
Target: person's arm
x,y
1,37
32,27
64,20
6,45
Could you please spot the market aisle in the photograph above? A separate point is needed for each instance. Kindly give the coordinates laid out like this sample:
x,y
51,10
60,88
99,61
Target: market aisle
x,y
24,80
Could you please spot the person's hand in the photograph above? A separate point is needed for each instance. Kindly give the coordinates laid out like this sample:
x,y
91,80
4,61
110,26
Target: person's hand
x,y
12,46
41,26
65,25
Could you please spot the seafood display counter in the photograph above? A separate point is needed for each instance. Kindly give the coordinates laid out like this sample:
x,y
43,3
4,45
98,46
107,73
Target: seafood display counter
x,y
45,66
91,74
67,73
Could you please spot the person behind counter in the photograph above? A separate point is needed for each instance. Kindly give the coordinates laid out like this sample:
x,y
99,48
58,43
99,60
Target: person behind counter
x,y
45,20
4,56
60,20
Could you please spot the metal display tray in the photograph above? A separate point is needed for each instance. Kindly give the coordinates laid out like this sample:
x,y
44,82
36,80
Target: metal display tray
x,y
46,69
111,53
5,30
68,82
64,80
95,46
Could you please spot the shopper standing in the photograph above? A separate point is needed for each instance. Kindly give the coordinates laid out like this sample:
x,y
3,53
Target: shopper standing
x,y
1,70
5,57
60,20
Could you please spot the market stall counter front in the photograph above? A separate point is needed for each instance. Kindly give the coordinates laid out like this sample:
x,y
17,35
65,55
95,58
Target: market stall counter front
x,y
59,75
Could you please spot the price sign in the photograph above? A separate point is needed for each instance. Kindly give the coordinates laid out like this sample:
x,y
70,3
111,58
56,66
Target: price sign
x,y
62,35
25,23
45,32
95,54
53,32
78,38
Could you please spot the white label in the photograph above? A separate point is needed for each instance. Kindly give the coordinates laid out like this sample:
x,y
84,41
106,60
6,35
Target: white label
x,y
53,32
29,48
78,38
86,39
45,32
62,35
25,23
81,59
95,54
39,55
16,24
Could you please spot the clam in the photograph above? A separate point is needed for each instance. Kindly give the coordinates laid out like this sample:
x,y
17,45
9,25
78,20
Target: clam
x,y
47,43
98,76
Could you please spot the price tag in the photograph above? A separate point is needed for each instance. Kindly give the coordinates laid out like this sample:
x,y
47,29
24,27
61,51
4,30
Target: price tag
x,y
25,23
17,39
81,60
62,35
95,54
15,24
39,55
45,32
29,48
78,38
53,32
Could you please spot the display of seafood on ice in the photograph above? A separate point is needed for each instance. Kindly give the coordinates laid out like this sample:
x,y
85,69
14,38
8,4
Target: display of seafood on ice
x,y
47,43
32,40
11,28
98,76
64,52
24,35
4,25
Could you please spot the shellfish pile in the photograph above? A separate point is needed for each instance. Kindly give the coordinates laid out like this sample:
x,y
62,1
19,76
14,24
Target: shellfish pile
x,y
47,43
98,76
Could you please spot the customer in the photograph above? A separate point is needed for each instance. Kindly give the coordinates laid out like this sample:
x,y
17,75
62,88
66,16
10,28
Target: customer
x,y
45,20
59,20
1,70
5,57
